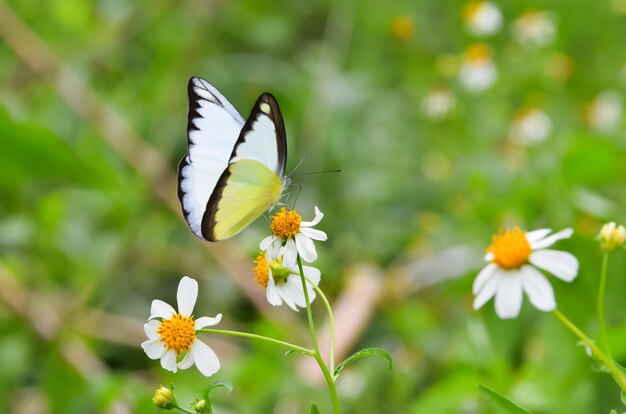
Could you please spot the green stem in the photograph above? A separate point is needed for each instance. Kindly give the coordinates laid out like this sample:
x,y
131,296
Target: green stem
x,y
601,290
183,410
260,337
331,323
615,373
318,357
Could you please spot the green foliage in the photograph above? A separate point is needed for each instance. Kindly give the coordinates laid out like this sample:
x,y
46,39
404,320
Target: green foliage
x,y
377,352
500,402
90,244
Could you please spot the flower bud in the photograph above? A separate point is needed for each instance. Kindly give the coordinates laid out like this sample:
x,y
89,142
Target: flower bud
x,y
164,398
200,406
612,237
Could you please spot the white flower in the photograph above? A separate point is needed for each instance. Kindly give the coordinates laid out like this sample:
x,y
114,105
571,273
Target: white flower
x,y
438,103
612,237
292,236
530,125
176,332
282,282
477,72
482,18
534,27
513,257
604,113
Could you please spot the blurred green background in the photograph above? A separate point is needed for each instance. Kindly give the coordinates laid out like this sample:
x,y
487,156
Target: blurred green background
x,y
93,111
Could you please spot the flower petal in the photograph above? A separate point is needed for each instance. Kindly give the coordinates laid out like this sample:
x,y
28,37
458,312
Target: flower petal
x,y
160,309
314,234
150,329
533,236
186,295
561,264
290,253
538,289
205,321
489,257
205,359
509,295
311,273
266,242
550,240
168,361
318,217
153,348
488,289
306,248
292,292
271,293
187,361
483,276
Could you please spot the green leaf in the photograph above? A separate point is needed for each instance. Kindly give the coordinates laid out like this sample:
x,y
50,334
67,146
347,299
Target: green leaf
x,y
217,384
292,351
622,397
500,402
314,409
377,352
31,152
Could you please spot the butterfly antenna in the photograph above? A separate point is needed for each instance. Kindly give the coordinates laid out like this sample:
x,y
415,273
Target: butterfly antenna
x,y
299,186
318,172
296,167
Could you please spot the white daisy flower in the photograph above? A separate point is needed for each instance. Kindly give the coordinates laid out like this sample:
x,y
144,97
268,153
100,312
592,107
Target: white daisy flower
x,y
477,72
514,257
534,27
438,103
530,125
482,18
604,113
176,332
282,282
292,236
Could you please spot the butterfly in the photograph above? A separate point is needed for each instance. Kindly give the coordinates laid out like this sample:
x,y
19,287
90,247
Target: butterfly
x,y
234,170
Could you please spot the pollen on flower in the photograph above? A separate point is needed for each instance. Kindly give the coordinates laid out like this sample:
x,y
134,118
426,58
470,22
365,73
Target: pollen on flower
x,y
261,270
286,224
177,333
510,248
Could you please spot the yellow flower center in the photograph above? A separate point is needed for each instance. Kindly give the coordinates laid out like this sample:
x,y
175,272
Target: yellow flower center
x,y
510,248
470,9
261,270
286,224
178,332
478,53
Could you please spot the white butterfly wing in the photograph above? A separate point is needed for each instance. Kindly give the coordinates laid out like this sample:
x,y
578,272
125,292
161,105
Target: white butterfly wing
x,y
213,128
263,137
253,181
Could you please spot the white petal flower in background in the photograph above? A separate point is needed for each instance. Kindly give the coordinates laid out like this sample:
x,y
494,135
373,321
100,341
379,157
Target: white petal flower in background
x,y
175,332
292,236
477,72
534,27
482,18
604,113
612,237
514,257
438,103
282,282
530,125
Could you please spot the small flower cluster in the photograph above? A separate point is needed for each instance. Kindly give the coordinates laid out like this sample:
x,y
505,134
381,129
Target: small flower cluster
x,y
276,268
172,335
